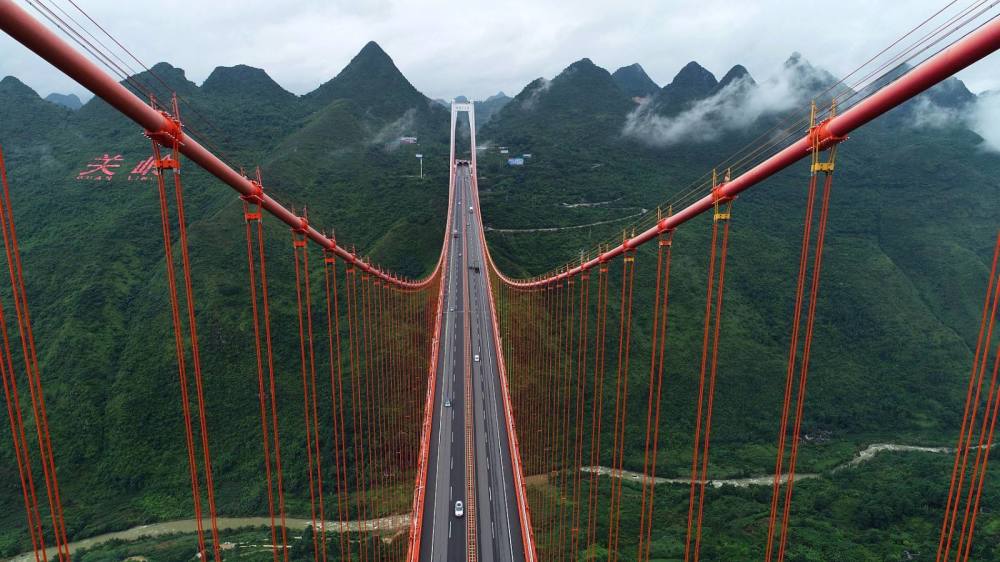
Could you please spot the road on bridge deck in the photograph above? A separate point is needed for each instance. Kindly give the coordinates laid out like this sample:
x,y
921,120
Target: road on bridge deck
x,y
498,530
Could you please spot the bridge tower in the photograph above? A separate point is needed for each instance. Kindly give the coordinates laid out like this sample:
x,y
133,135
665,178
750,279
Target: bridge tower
x,y
467,107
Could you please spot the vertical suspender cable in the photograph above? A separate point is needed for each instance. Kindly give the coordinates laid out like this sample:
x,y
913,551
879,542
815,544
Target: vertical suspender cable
x,y
195,348
597,409
664,309
27,337
307,363
179,349
712,378
646,483
253,218
710,336
336,393
980,361
972,399
983,449
18,436
621,402
567,403
806,350
790,369
657,349
581,388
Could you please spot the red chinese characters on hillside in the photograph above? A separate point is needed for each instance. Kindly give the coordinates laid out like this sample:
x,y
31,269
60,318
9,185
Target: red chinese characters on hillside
x,y
104,168
143,169
100,168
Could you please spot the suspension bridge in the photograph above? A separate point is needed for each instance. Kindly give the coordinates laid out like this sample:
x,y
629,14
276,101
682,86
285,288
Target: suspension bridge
x,y
429,404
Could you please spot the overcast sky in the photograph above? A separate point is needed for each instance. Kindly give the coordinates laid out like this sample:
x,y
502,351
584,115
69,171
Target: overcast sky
x,y
477,48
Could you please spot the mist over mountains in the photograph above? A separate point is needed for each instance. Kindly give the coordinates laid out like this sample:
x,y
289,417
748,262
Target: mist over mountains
x,y
693,107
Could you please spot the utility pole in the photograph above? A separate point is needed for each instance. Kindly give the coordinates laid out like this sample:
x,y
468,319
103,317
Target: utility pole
x,y
421,158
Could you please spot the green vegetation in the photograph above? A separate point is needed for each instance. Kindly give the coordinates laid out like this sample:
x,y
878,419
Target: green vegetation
x,y
914,215
913,218
93,256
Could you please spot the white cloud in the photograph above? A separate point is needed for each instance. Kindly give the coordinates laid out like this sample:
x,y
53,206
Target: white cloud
x,y
985,120
734,107
981,116
927,114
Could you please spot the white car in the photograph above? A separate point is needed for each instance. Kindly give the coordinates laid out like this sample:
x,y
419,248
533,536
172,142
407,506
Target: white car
x,y
475,358
470,209
459,509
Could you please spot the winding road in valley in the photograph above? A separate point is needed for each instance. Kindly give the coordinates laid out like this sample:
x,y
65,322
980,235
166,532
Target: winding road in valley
x,y
863,456
401,522
384,525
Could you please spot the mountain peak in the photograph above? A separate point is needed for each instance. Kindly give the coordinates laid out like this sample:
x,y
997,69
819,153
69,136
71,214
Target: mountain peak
x,y
583,88
695,77
69,101
173,77
373,50
583,70
12,88
810,81
738,72
634,81
243,80
373,81
692,83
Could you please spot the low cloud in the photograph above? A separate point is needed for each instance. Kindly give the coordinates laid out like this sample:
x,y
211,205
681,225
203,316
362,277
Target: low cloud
x,y
735,107
389,136
984,119
927,114
982,116
539,86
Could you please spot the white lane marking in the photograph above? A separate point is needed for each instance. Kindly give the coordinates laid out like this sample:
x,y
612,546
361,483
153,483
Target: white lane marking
x,y
489,349
449,297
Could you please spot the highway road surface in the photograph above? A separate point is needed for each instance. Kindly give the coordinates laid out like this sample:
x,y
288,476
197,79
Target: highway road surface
x,y
467,333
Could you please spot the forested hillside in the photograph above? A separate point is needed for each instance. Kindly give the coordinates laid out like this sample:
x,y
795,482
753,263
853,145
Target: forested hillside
x,y
914,214
93,255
